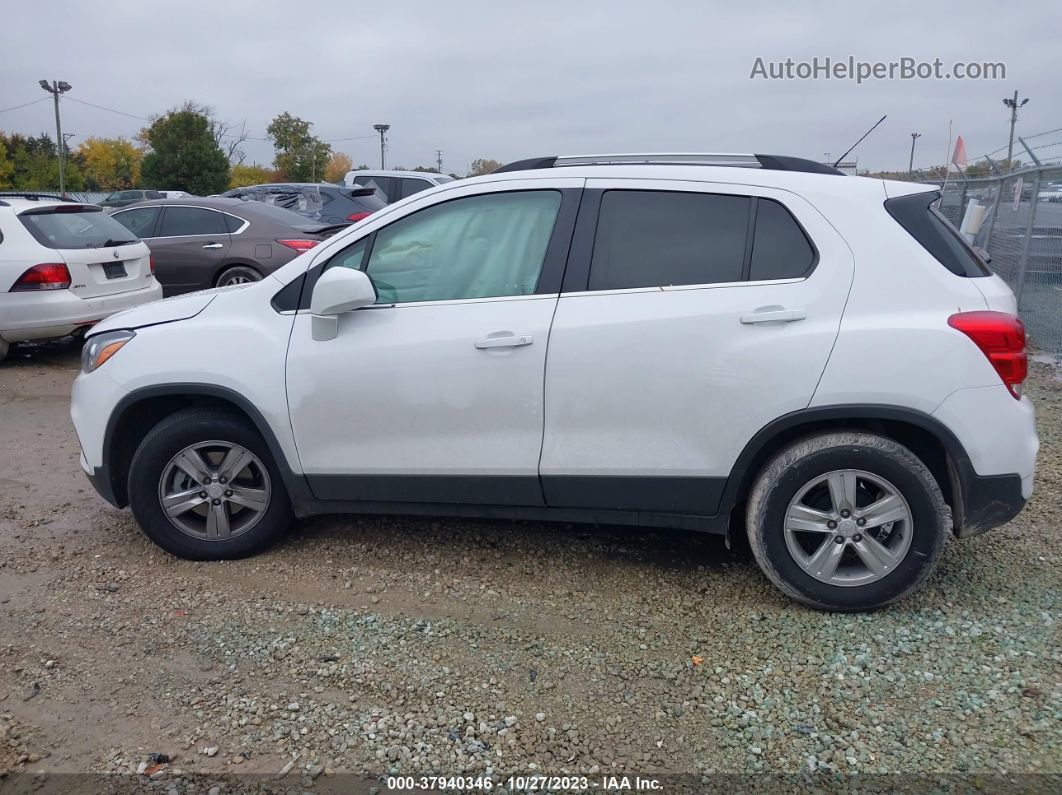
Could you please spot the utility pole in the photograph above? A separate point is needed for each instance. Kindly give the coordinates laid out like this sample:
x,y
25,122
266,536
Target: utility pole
x,y
910,163
438,159
1013,104
55,88
382,128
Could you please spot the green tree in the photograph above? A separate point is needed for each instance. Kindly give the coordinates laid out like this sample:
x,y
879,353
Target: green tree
x,y
241,175
426,169
33,164
483,165
184,154
300,156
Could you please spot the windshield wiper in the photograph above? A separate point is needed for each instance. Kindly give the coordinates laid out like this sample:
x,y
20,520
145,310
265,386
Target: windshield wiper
x,y
108,243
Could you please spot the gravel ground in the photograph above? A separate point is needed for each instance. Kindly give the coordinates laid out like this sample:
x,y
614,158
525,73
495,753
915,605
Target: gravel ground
x,y
373,645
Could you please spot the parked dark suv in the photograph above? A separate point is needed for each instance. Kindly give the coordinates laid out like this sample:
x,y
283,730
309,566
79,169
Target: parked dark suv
x,y
201,243
327,203
123,198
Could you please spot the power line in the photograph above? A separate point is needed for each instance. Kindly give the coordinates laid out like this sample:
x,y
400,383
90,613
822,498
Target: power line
x,y
352,138
27,104
225,135
109,110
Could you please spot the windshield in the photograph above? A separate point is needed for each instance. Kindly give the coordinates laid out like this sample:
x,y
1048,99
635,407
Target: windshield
x,y
68,226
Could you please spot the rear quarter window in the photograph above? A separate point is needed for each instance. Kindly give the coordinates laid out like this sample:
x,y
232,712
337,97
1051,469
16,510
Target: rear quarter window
x,y
780,249
918,215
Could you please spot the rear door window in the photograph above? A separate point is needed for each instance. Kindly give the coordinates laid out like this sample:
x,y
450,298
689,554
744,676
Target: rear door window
x,y
140,221
183,221
662,238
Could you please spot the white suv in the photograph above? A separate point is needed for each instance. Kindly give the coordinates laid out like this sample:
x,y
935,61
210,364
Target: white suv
x,y
723,343
65,266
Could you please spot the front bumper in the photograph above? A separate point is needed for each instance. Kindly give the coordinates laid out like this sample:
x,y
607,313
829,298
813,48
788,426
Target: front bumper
x,y
50,314
100,480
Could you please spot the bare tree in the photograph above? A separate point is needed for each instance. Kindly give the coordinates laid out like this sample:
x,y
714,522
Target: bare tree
x,y
228,136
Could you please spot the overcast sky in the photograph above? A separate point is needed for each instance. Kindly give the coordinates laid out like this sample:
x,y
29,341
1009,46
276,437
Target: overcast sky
x,y
509,80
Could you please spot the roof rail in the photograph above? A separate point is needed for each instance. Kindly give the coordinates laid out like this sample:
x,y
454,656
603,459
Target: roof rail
x,y
729,159
14,194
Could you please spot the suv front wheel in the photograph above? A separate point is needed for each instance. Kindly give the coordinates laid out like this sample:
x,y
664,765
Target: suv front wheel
x,y
203,486
847,521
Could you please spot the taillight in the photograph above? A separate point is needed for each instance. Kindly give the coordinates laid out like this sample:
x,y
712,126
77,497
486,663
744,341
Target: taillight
x,y
46,276
357,216
1001,338
151,262
299,245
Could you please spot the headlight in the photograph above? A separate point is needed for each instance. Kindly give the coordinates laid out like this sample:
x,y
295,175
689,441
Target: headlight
x,y
102,347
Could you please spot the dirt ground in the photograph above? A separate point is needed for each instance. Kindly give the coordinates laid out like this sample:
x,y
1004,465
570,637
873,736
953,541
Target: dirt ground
x,y
417,646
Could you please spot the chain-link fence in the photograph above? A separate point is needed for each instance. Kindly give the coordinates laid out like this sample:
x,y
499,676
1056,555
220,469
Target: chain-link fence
x,y
1022,233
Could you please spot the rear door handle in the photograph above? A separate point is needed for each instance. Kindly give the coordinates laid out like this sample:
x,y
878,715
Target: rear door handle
x,y
213,245
504,342
774,316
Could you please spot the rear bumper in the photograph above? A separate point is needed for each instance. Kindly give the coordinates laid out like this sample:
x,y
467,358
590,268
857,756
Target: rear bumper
x,y
986,501
994,477
50,314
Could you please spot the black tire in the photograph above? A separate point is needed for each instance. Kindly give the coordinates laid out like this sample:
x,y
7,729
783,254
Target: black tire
x,y
167,439
238,274
799,464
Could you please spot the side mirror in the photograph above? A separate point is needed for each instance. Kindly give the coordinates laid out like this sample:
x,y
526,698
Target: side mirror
x,y
339,290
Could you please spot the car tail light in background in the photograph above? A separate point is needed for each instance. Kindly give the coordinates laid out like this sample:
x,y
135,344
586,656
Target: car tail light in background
x,y
299,245
151,262
46,276
1001,338
357,216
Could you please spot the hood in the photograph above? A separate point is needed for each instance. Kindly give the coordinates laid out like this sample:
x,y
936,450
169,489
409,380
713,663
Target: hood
x,y
168,310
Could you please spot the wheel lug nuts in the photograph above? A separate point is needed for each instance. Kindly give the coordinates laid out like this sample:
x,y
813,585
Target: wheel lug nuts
x,y
222,479
861,521
228,493
857,538
839,540
216,501
831,524
845,513
202,495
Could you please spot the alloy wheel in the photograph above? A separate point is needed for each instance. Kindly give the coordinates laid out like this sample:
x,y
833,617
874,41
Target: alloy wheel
x,y
214,490
848,527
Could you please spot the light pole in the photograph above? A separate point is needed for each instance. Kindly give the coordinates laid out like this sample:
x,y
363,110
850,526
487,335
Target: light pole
x,y
1013,104
55,88
910,163
438,159
381,128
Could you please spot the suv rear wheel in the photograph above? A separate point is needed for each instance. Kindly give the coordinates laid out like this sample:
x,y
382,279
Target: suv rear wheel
x,y
203,486
847,521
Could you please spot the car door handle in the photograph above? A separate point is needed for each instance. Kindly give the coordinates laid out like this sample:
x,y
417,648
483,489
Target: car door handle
x,y
774,316
504,342
213,245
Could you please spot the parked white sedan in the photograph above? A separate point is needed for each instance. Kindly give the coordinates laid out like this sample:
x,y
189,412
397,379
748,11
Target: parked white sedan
x,y
64,267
